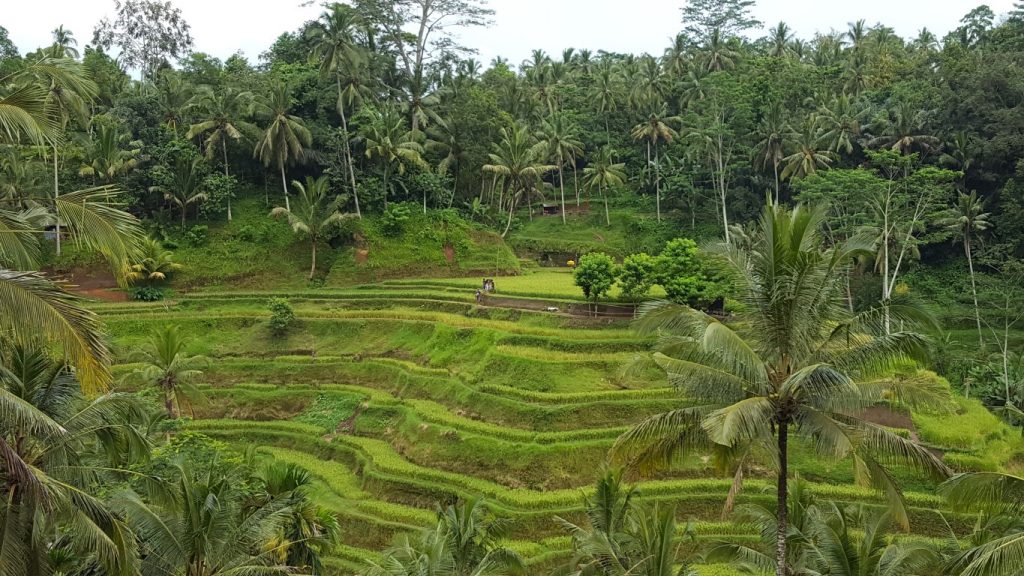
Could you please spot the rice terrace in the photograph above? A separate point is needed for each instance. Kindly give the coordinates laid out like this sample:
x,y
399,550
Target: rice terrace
x,y
353,300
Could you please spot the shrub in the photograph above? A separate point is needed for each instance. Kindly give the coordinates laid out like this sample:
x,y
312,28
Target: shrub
x,y
281,315
595,275
197,235
637,275
147,294
686,277
393,221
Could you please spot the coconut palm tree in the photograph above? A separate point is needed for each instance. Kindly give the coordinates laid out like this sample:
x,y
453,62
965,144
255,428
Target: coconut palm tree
x,y
335,47
64,43
603,173
174,96
104,156
606,93
183,187
965,220
285,137
558,136
992,493
841,120
718,55
386,139
780,40
54,448
202,523
796,362
517,161
770,150
905,131
315,212
223,114
655,130
808,156
155,265
165,365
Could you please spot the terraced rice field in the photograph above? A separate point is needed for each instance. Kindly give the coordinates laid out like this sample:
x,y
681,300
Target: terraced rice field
x,y
403,396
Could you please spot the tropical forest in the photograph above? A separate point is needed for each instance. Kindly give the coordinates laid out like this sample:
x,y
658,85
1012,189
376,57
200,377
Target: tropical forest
x,y
366,304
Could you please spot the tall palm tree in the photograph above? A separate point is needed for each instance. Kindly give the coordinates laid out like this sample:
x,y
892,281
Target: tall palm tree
x,y
54,446
603,173
718,55
808,156
518,162
316,212
558,136
605,93
201,523
174,96
780,39
966,219
796,362
335,46
841,120
165,365
386,138
655,130
64,43
285,137
223,114
770,150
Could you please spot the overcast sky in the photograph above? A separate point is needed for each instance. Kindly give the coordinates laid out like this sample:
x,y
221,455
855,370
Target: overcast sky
x,y
222,27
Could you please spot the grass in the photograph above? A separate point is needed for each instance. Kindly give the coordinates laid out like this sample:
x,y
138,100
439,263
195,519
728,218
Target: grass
x,y
554,283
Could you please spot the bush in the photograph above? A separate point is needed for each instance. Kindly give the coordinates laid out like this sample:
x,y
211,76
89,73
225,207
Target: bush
x,y
595,275
686,277
147,294
393,221
197,235
281,315
637,275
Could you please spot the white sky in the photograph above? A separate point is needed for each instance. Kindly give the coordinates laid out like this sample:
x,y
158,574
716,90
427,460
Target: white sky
x,y
221,27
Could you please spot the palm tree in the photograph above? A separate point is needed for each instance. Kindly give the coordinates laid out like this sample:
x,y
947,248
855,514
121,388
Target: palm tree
x,y
653,131
770,150
965,220
316,212
54,446
780,39
797,361
808,156
155,265
285,137
183,187
222,118
857,34
386,138
606,94
841,121
905,131
308,531
517,161
64,43
174,96
334,45
604,173
104,157
558,136
718,55
993,493
165,365
446,141
201,523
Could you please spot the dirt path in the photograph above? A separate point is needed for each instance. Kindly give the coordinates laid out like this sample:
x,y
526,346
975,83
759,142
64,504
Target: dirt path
x,y
94,283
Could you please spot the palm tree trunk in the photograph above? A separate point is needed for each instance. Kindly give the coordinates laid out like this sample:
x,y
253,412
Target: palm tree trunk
x,y
224,147
974,288
184,213
312,266
776,165
782,509
561,186
424,200
607,217
657,181
284,187
348,148
511,208
56,195
576,183
387,166
172,413
455,187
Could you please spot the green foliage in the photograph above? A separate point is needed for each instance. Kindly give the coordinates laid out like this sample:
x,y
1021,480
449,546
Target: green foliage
x,y
147,294
637,274
281,316
197,235
595,274
687,276
394,218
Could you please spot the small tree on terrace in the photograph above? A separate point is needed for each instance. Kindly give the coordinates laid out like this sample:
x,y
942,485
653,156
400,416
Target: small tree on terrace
x,y
314,214
165,364
595,275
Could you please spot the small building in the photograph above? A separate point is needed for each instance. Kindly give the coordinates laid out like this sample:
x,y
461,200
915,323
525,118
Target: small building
x,y
551,209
